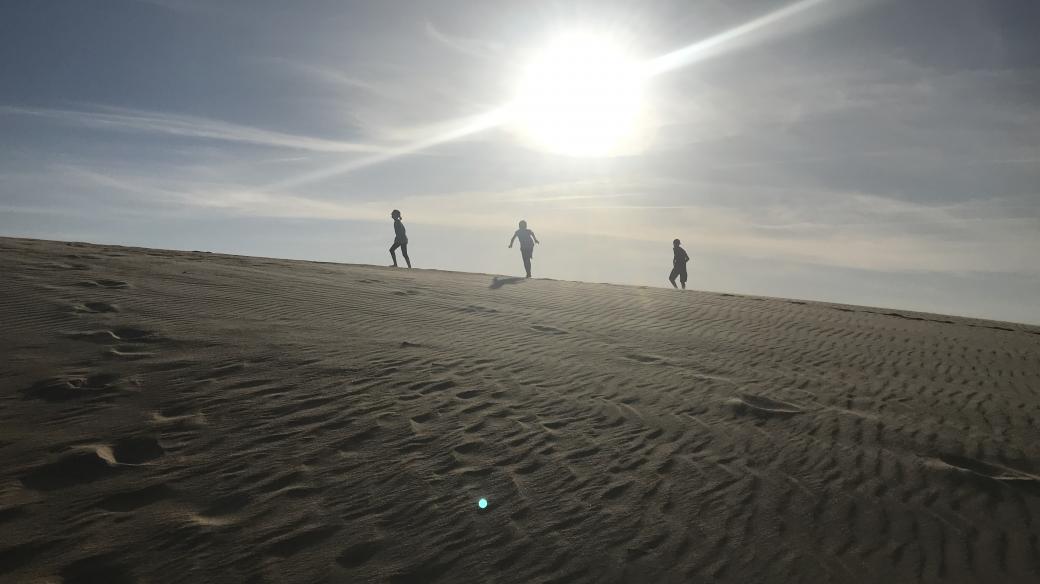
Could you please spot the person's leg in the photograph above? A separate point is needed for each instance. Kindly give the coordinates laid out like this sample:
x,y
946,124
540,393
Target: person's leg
x,y
526,254
673,276
682,277
404,252
392,254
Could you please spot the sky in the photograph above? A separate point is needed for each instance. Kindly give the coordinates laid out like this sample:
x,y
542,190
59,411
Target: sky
x,y
883,153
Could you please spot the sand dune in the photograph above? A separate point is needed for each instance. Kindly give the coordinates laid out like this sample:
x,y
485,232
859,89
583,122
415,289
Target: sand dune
x,y
193,417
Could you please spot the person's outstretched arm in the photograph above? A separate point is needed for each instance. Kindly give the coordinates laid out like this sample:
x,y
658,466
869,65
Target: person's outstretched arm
x,y
512,239
535,237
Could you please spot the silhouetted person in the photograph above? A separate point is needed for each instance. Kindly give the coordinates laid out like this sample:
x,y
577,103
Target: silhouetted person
x,y
527,241
679,260
400,238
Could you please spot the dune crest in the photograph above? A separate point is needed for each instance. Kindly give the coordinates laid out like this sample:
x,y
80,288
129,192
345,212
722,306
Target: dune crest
x,y
187,417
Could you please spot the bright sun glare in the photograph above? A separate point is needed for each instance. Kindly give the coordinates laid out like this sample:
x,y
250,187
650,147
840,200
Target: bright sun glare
x,y
581,95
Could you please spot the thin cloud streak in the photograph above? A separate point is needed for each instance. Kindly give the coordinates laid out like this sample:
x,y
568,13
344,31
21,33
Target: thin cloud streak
x,y
472,47
129,120
473,125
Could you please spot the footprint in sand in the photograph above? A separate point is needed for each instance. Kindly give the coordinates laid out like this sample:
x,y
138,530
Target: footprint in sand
x,y
72,387
975,467
756,405
548,329
137,450
95,307
223,510
359,554
95,569
103,283
648,359
475,309
117,334
70,470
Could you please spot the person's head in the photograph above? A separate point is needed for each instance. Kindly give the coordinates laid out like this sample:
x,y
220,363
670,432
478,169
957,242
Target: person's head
x,y
523,224
676,243
395,214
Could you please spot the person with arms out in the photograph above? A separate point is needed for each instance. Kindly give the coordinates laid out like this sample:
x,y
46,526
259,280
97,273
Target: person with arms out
x,y
400,239
527,241
679,260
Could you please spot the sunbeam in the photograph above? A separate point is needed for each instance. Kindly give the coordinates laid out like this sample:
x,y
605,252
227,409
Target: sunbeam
x,y
725,41
570,143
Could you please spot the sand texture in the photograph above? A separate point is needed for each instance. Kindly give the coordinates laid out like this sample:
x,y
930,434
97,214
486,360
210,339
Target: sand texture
x,y
193,417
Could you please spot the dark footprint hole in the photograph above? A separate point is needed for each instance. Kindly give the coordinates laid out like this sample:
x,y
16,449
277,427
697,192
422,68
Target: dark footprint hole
x,y
23,554
69,388
644,358
96,570
358,554
763,406
112,283
902,316
616,491
137,450
97,307
132,334
548,329
70,470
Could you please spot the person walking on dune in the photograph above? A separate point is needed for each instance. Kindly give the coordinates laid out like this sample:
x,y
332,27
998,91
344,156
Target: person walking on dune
x,y
527,241
679,259
400,239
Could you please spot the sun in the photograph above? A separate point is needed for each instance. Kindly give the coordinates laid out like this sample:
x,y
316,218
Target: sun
x,y
581,95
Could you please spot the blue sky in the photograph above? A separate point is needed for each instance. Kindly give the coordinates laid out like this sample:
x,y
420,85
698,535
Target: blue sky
x,y
870,152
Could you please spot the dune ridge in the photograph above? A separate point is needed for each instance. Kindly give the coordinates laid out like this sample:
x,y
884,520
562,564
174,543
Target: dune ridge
x,y
184,416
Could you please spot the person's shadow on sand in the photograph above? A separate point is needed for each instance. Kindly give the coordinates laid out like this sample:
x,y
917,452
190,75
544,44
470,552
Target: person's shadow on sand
x,y
497,282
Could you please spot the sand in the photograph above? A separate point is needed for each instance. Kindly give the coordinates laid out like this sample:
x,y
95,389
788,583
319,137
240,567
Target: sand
x,y
194,417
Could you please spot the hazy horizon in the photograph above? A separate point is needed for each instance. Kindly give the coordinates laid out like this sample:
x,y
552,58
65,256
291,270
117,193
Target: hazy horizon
x,y
872,152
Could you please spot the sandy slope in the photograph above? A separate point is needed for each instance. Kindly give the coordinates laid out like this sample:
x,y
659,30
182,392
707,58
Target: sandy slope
x,y
188,417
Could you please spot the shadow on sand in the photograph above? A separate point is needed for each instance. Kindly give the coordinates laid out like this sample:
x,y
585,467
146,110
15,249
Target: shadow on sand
x,y
497,282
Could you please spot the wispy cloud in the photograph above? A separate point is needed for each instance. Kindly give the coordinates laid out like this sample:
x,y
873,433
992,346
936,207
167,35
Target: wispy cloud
x,y
335,78
473,47
129,120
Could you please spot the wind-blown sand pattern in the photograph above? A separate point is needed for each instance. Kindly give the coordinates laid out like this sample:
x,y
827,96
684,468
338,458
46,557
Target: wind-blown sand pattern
x,y
193,417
